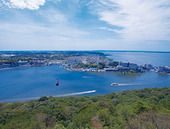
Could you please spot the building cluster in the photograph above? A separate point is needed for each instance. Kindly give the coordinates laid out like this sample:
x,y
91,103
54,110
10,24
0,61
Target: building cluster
x,y
7,55
5,66
88,59
163,69
83,59
122,66
70,63
125,66
33,63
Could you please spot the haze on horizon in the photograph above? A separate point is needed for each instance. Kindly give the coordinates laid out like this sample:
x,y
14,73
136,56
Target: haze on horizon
x,y
85,25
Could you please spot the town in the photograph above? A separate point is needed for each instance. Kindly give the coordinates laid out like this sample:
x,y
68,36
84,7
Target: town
x,y
83,61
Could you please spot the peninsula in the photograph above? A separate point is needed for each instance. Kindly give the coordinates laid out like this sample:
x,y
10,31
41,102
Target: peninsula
x,y
82,61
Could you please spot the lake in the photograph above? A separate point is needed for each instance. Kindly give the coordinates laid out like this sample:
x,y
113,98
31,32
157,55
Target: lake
x,y
33,82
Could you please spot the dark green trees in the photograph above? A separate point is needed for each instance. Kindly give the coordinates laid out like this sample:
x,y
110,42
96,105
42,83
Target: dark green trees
x,y
145,108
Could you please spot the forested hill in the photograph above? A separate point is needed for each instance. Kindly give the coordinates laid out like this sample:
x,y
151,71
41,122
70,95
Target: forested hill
x,y
145,108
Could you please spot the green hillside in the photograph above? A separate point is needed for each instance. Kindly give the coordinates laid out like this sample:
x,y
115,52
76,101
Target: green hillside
x,y
145,108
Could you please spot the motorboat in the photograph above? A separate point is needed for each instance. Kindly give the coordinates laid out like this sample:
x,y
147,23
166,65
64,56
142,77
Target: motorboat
x,y
114,84
57,83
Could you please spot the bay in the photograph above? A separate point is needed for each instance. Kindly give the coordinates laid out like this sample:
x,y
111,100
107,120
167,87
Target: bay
x,y
141,57
33,82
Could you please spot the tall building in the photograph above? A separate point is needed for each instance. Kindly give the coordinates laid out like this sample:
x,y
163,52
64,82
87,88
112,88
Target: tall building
x,y
129,65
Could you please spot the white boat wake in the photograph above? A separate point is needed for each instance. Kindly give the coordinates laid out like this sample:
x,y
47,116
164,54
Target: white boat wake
x,y
87,77
77,93
61,95
126,84
144,83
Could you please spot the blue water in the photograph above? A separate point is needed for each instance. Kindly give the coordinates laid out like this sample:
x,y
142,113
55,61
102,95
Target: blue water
x,y
141,58
33,82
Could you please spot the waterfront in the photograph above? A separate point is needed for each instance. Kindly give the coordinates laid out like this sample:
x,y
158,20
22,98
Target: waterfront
x,y
32,82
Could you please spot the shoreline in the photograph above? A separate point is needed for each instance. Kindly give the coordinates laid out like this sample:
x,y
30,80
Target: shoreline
x,y
83,112
20,67
98,71
76,94
90,65
96,81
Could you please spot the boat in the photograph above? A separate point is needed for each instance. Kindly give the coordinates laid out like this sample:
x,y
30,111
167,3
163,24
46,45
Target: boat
x,y
57,83
114,84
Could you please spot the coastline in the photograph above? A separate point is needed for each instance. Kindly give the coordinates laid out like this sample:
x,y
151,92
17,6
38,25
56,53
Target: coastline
x,y
94,71
72,82
90,63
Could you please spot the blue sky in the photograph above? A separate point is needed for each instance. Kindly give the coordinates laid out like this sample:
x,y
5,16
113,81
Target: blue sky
x,y
85,25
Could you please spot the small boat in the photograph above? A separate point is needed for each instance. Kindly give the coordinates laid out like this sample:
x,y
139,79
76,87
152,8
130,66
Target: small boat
x,y
114,84
57,83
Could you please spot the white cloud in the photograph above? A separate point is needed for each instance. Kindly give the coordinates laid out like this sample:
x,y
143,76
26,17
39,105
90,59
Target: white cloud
x,y
22,4
108,29
140,19
53,15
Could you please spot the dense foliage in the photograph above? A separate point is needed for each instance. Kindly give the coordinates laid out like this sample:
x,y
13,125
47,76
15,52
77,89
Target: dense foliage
x,y
114,63
101,65
145,108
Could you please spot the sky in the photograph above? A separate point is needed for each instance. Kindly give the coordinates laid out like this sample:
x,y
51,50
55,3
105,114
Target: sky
x,y
85,25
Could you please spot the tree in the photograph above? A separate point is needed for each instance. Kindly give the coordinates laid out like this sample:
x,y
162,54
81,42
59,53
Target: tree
x,y
101,65
114,63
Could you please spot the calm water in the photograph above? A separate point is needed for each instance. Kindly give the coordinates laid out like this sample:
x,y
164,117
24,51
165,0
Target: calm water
x,y
141,58
33,82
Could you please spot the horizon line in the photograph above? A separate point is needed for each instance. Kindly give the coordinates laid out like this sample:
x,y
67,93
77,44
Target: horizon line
x,y
154,51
